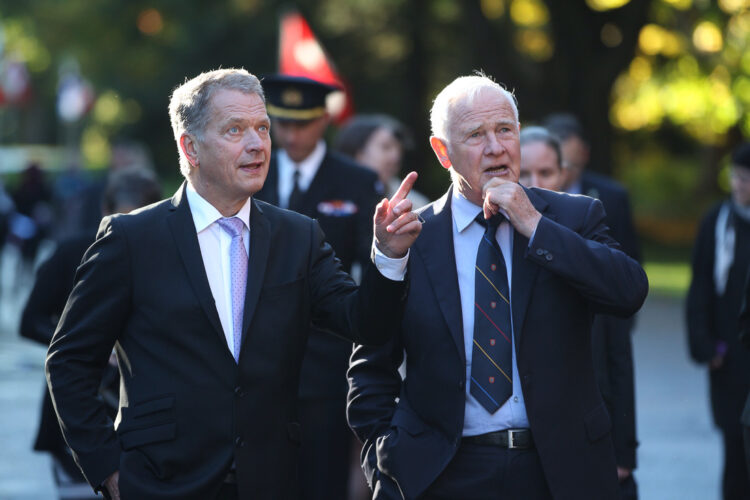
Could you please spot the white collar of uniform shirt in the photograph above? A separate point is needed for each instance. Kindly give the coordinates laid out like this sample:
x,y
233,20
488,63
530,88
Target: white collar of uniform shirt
x,y
307,170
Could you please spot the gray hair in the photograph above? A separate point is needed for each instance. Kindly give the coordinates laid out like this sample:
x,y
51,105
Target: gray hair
x,y
530,135
463,88
189,104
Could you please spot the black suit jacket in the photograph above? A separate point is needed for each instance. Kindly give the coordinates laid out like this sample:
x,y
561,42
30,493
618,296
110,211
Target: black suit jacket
x,y
571,271
610,336
712,317
187,409
338,179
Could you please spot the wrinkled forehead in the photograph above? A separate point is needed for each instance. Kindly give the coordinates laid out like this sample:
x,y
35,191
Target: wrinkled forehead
x,y
484,105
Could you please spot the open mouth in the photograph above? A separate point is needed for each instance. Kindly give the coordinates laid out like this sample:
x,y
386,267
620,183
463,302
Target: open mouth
x,y
252,166
496,169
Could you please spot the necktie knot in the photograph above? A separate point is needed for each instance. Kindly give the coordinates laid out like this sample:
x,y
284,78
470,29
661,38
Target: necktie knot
x,y
232,225
491,224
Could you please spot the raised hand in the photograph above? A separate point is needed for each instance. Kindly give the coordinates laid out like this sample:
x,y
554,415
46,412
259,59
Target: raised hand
x,y
396,226
510,196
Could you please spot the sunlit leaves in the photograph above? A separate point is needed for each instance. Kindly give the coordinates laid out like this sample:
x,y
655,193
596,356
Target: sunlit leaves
x,y
604,5
707,37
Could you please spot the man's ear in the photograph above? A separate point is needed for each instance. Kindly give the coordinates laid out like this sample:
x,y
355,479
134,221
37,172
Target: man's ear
x,y
189,147
441,151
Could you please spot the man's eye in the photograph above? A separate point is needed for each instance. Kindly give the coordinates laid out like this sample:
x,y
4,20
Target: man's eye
x,y
263,128
234,130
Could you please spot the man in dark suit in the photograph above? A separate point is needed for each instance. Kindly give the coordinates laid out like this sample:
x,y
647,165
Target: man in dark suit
x,y
611,336
305,176
499,398
721,259
207,298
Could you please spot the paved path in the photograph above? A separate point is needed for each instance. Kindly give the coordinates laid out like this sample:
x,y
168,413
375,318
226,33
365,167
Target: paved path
x,y
679,457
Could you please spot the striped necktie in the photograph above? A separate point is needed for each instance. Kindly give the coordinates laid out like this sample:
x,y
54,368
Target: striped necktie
x,y
491,359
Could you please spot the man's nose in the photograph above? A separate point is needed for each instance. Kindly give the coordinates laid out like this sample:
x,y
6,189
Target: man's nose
x,y
253,141
493,147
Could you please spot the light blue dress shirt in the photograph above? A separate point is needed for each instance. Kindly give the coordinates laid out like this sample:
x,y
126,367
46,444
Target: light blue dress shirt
x,y
467,234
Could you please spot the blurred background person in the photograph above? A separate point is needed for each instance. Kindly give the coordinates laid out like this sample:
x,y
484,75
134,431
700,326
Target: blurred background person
x,y
721,258
541,159
305,176
378,142
125,191
611,341
33,216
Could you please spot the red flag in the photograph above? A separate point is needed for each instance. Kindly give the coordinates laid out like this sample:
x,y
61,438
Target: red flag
x,y
300,54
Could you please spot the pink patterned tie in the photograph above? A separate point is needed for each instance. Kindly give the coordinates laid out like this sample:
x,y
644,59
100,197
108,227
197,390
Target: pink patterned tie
x,y
238,271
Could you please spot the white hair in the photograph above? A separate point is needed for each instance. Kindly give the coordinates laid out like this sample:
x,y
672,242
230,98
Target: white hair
x,y
463,89
189,105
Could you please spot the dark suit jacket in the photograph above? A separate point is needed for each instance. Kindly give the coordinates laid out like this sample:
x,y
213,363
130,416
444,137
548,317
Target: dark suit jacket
x,y
54,281
610,336
187,410
350,235
712,318
571,271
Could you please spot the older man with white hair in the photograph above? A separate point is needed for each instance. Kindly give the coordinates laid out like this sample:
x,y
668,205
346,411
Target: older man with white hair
x,y
499,399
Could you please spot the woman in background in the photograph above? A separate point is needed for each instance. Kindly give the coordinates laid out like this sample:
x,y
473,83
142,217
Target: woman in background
x,y
378,143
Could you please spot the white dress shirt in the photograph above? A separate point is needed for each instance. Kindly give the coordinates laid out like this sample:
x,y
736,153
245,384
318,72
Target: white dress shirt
x,y
307,170
467,233
215,243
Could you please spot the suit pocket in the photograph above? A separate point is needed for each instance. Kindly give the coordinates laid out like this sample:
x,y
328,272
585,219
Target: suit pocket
x,y
598,423
148,422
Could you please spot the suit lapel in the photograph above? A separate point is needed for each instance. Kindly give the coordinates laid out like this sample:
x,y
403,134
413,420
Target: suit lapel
x,y
524,271
260,242
435,246
180,222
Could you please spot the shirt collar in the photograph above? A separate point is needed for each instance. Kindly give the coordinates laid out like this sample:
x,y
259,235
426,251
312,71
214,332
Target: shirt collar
x,y
464,211
307,167
205,214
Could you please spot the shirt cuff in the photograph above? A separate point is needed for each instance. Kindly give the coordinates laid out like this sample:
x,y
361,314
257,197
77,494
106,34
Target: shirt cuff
x,y
531,240
393,269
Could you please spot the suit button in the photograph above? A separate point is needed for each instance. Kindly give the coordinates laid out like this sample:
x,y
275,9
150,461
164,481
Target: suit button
x,y
539,251
548,256
238,391
239,442
461,384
